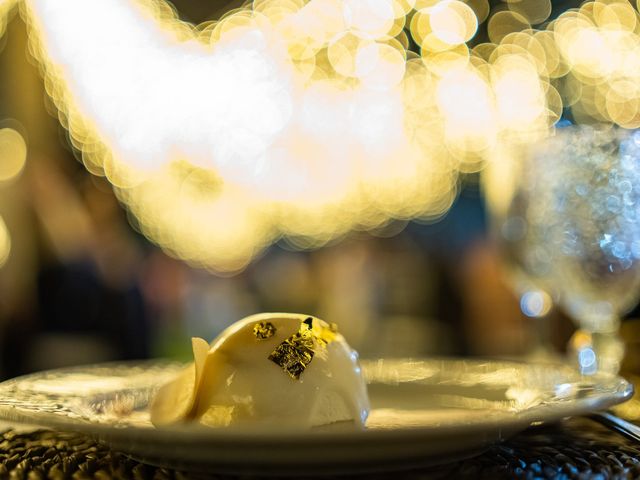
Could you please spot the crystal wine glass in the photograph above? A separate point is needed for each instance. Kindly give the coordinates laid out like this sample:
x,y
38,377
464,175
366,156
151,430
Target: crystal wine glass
x,y
579,203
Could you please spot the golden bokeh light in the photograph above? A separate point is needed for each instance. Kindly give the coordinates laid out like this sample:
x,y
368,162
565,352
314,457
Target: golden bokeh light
x,y
13,154
304,119
453,22
5,243
591,66
533,11
371,18
601,45
505,22
481,8
5,7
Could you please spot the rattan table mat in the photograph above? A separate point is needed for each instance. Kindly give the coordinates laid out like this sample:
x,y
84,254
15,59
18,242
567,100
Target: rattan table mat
x,y
576,448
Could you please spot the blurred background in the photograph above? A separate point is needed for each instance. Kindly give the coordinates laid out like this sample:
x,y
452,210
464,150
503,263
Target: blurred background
x,y
80,284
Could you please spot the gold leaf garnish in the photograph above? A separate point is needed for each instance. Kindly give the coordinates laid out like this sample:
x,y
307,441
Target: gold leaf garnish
x,y
264,330
327,334
295,354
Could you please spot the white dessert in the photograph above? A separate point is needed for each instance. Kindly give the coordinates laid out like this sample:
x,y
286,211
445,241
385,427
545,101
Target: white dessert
x,y
278,369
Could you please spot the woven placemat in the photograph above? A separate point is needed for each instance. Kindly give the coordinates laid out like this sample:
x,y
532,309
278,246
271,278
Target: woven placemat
x,y
575,449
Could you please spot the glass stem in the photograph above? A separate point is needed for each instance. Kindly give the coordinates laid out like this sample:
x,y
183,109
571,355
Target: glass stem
x,y
596,352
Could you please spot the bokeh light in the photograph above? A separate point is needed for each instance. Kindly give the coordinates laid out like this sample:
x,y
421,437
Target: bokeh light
x,y
535,303
5,243
5,8
305,119
13,154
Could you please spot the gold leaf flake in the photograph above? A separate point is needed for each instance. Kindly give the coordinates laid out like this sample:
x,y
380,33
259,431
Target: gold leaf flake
x,y
264,330
296,352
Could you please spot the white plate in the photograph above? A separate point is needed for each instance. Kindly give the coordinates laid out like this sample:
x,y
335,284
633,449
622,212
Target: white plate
x,y
423,412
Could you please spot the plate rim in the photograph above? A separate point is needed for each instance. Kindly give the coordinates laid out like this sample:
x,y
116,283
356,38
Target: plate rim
x,y
541,413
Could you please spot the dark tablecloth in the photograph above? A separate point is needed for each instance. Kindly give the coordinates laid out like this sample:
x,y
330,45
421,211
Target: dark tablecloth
x,y
577,448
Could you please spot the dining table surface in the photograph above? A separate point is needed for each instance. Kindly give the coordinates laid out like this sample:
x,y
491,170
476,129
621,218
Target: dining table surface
x,y
575,448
